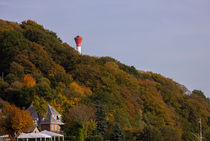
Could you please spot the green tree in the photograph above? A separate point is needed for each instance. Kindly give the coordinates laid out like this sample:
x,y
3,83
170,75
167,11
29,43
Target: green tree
x,y
75,129
199,93
43,90
82,114
100,119
40,105
17,69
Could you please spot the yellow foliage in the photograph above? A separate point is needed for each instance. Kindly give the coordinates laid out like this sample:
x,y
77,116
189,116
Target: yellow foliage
x,y
8,26
81,90
40,105
28,81
89,127
109,117
74,100
123,77
112,66
61,102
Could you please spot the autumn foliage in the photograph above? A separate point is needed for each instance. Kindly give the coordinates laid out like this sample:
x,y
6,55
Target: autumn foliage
x,y
14,121
39,68
28,81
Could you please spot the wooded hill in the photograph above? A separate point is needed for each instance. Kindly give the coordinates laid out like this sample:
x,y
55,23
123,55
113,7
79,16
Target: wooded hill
x,y
96,95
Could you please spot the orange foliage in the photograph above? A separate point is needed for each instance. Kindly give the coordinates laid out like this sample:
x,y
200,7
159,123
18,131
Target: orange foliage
x,y
28,81
82,90
14,121
132,102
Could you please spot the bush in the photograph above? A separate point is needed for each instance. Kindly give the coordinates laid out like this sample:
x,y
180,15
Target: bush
x,y
94,138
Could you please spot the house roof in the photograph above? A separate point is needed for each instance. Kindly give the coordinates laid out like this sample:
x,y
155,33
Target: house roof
x,y
33,129
53,111
4,136
52,117
33,135
51,133
33,112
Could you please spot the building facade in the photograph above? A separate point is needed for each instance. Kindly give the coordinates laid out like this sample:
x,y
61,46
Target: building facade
x,y
52,121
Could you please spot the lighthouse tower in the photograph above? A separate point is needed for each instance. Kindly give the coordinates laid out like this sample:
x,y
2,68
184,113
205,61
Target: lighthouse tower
x,y
78,41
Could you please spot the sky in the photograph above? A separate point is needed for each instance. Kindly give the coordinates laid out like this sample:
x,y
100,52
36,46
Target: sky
x,y
170,37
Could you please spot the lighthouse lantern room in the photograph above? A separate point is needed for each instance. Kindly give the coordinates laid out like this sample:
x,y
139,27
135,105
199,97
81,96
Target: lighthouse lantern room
x,y
78,41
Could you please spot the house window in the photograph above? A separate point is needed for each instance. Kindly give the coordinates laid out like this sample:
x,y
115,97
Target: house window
x,y
57,117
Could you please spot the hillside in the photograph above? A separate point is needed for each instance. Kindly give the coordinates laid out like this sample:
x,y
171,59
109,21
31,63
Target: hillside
x,y
37,67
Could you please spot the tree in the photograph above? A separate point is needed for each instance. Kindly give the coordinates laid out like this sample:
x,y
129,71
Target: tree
x,y
14,121
199,93
100,119
40,105
28,81
117,134
80,118
81,113
61,103
16,69
43,90
76,89
76,130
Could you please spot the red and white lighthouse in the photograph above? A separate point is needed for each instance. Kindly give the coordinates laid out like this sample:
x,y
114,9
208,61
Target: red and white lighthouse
x,y
78,41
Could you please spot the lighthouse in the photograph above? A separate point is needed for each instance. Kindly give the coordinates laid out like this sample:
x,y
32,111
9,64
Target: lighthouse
x,y
78,41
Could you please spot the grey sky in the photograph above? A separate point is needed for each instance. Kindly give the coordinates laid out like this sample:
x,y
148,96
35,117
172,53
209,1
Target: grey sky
x,y
170,37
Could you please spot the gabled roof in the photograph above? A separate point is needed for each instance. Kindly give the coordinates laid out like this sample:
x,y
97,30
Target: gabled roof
x,y
53,111
52,117
33,112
